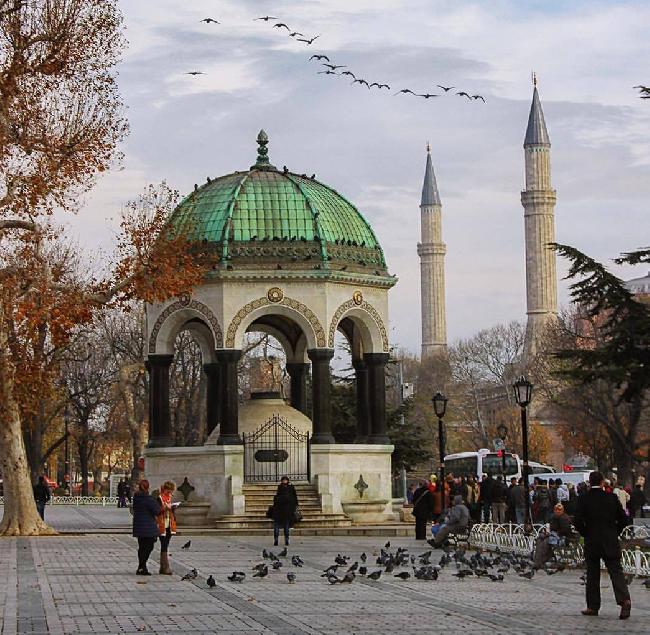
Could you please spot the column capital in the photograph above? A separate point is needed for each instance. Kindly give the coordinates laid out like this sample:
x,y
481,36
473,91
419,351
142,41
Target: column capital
x,y
376,359
225,355
320,354
158,361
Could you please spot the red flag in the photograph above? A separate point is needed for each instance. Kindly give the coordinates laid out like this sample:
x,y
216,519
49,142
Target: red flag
x,y
567,468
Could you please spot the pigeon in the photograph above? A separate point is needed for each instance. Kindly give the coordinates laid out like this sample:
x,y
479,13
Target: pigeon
x,y
363,557
404,575
261,573
279,25
463,573
283,553
496,577
332,579
354,567
192,575
296,561
342,560
445,88
528,575
319,57
389,566
210,582
375,575
210,20
276,564
187,545
348,578
266,18
363,570
387,545
646,583
195,73
475,97
259,567
272,556
291,577
464,94
237,576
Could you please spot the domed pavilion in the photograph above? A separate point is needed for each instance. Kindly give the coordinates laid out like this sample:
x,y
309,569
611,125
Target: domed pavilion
x,y
294,259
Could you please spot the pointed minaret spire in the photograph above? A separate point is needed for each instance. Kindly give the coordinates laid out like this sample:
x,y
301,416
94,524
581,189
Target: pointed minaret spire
x,y
538,200
430,195
432,251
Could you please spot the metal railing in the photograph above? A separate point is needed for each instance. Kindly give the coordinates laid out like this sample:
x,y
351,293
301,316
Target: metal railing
x,y
102,501
513,539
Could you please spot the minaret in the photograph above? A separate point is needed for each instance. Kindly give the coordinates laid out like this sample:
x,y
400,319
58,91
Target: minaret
x,y
432,267
538,200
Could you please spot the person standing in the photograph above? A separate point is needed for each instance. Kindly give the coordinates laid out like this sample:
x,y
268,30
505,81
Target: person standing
x,y
637,501
41,496
518,501
285,504
600,518
499,507
487,487
121,497
145,527
166,521
423,509
473,497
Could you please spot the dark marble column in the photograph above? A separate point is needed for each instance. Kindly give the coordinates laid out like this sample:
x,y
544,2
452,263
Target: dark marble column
x,y
361,385
229,432
298,375
320,391
159,423
377,396
213,396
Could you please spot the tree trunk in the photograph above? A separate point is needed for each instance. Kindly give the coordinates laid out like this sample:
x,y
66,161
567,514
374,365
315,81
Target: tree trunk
x,y
20,514
83,462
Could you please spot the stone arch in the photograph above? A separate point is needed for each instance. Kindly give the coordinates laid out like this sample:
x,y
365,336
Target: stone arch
x,y
275,303
371,327
175,316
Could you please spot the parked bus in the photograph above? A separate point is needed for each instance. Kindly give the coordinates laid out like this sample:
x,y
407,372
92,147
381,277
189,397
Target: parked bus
x,y
485,461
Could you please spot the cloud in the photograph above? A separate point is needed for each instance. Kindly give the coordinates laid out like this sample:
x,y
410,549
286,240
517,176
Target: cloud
x,y
370,146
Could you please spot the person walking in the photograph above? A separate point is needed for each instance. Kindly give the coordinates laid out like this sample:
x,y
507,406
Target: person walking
x,y
121,497
42,496
423,509
600,518
145,527
166,521
285,504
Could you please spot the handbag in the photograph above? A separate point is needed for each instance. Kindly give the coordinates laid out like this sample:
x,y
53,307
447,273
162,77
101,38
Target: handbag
x,y
297,515
269,512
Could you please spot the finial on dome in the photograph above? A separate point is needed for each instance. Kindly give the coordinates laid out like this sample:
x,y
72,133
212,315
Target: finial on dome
x,y
534,78
262,162
428,147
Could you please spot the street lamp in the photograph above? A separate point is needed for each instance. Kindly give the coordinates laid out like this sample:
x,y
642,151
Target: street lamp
x,y
523,390
440,407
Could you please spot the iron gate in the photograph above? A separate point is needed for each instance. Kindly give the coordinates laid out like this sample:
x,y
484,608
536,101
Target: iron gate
x,y
274,450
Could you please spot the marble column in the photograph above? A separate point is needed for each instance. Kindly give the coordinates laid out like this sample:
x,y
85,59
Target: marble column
x,y
159,421
361,386
377,397
213,396
320,387
229,431
298,375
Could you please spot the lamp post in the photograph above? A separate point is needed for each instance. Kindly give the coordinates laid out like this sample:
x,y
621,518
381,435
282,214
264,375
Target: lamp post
x,y
523,390
440,407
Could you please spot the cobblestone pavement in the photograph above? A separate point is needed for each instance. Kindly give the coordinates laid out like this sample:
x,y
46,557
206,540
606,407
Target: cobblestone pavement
x,y
86,584
87,518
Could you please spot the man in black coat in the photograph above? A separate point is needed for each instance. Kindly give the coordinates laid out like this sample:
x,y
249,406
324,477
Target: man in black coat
x,y
600,518
422,509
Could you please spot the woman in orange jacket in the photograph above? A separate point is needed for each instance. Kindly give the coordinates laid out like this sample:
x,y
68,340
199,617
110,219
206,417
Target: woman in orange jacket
x,y
166,521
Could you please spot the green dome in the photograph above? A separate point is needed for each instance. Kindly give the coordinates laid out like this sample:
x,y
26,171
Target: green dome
x,y
267,217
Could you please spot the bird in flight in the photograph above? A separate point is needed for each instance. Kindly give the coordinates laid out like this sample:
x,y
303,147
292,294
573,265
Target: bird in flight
x,y
327,72
361,81
475,97
319,57
266,18
295,33
195,73
445,88
350,73
428,95
405,90
210,20
279,25
309,41
335,66
464,94
644,91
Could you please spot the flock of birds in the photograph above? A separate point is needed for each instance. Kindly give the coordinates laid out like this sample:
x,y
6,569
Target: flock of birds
x,y
400,564
331,69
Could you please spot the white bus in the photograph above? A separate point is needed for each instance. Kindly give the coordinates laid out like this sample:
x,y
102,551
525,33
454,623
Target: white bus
x,y
485,461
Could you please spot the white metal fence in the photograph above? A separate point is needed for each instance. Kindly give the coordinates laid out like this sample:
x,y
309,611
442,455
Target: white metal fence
x,y
513,539
101,501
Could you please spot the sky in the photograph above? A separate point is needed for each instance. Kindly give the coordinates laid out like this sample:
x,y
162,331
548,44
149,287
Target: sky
x,y
370,146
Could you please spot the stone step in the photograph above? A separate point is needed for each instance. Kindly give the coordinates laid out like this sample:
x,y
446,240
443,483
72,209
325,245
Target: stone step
x,y
388,530
305,507
268,524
